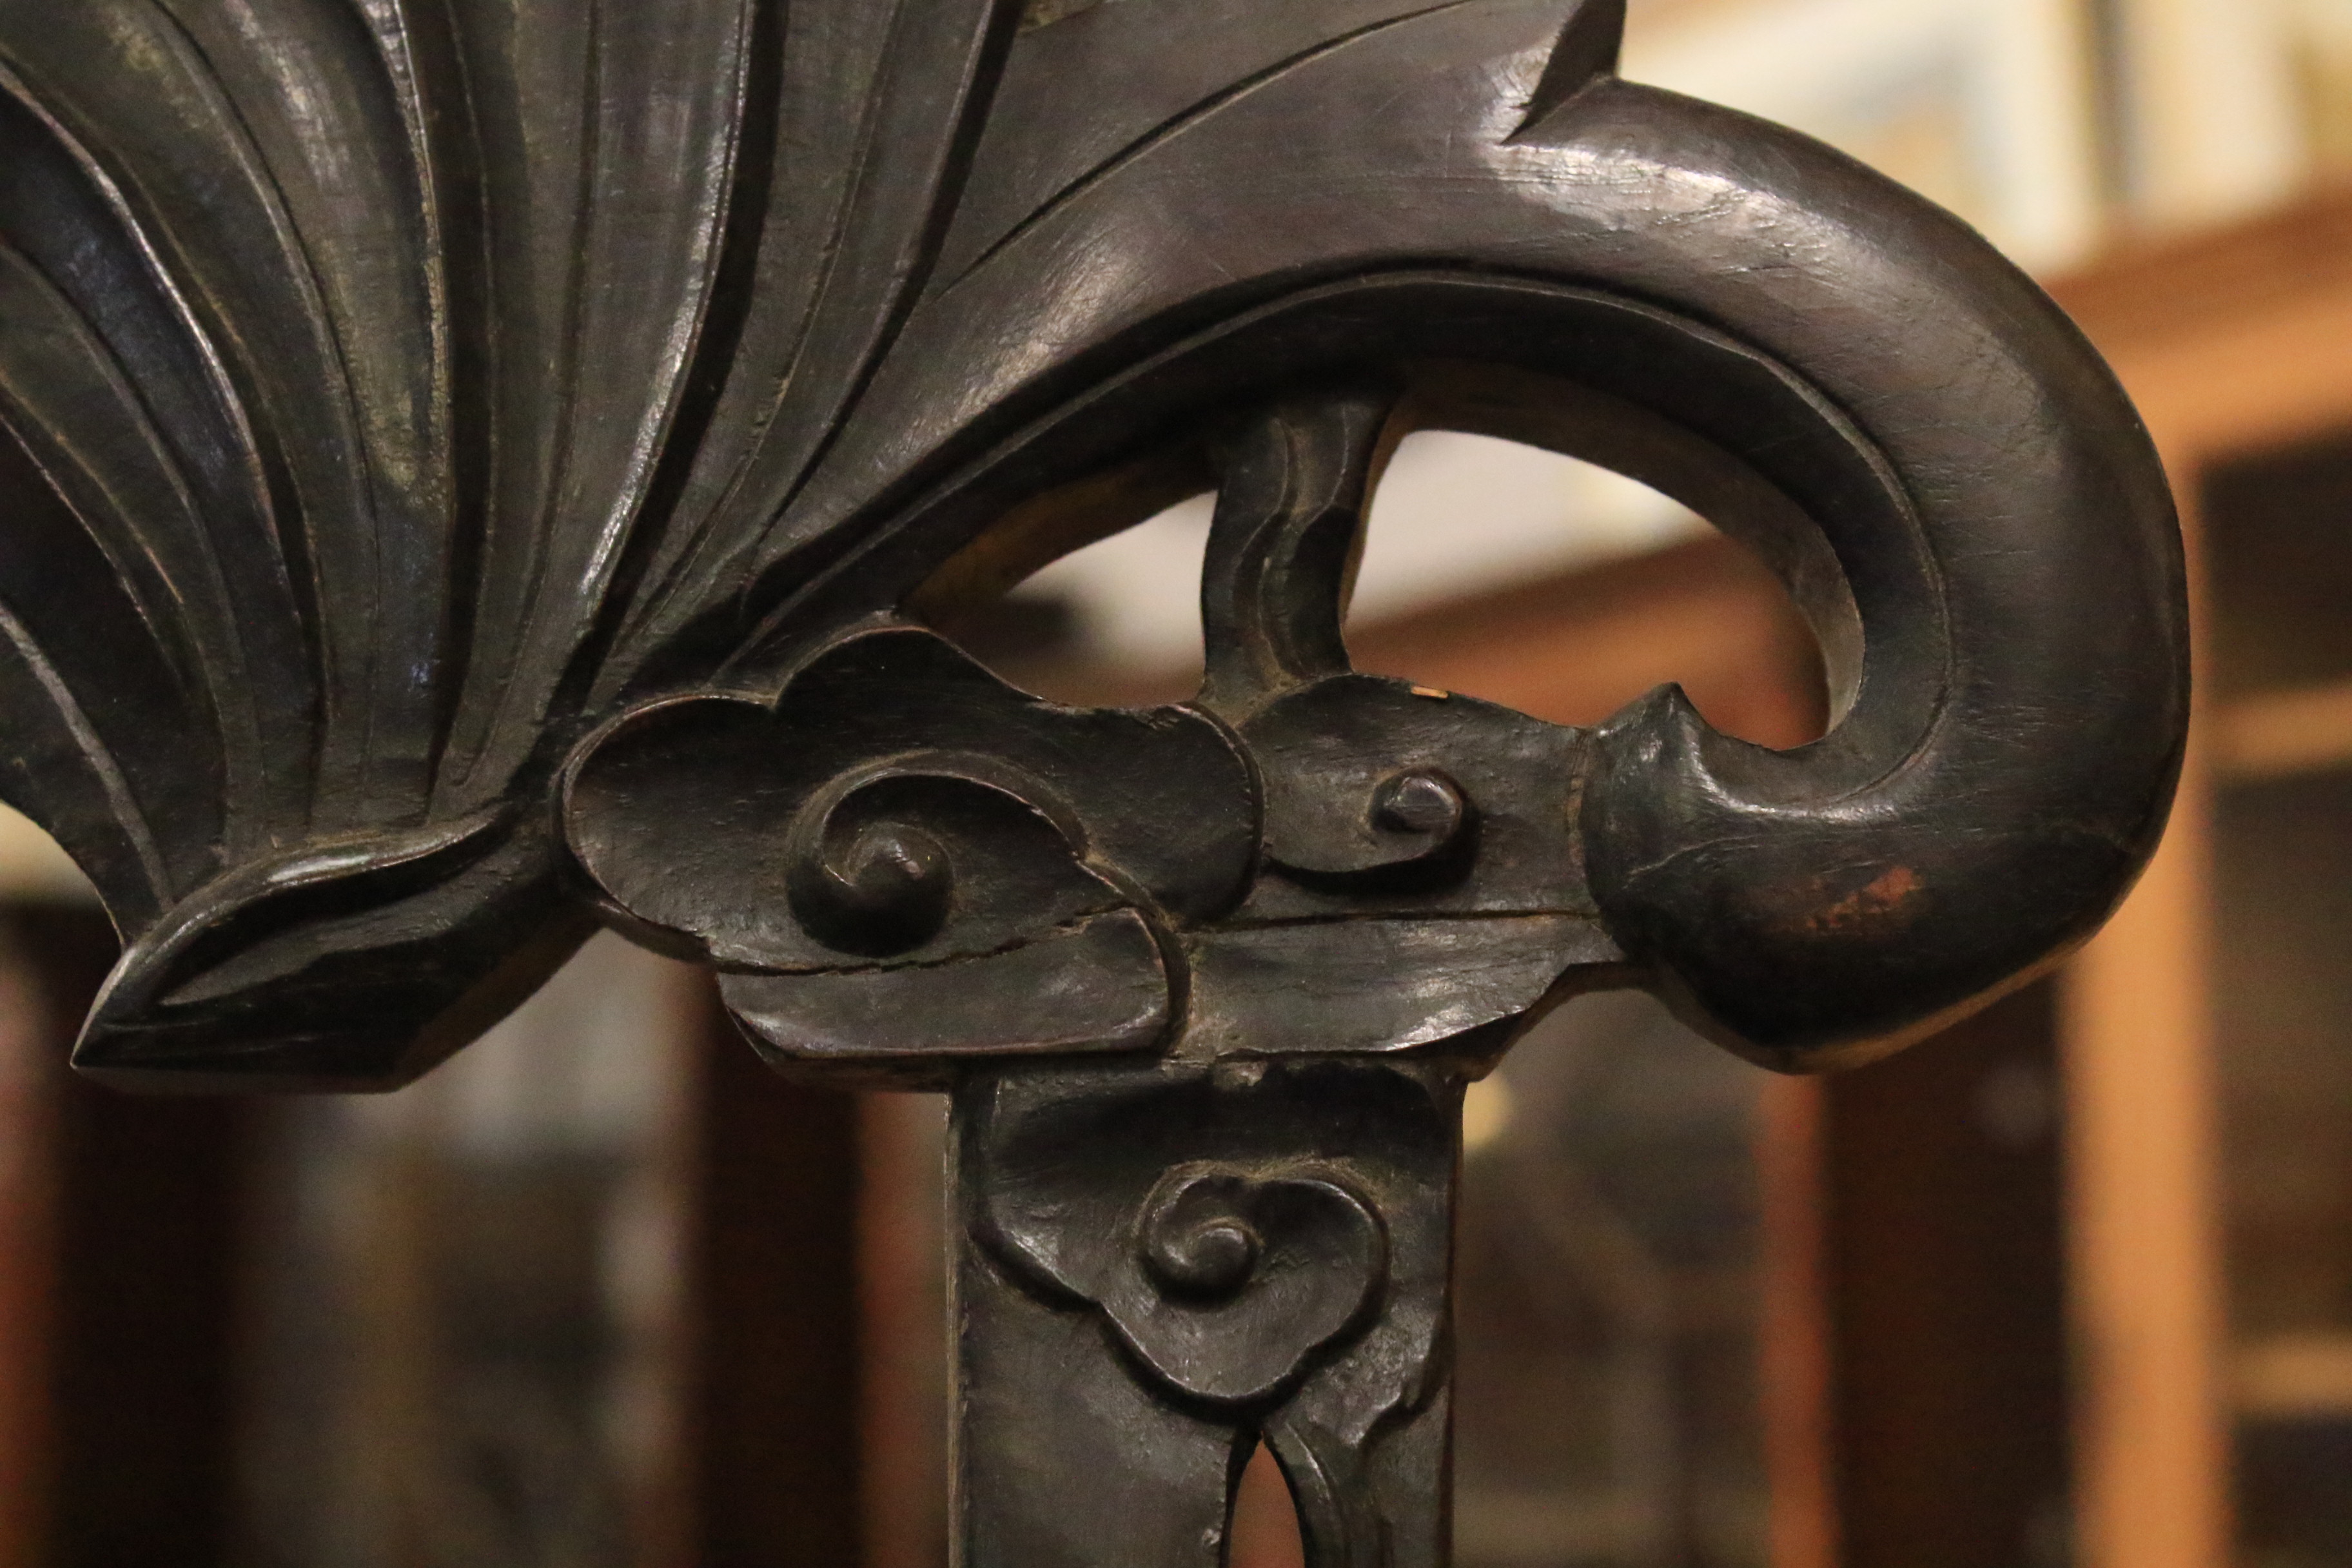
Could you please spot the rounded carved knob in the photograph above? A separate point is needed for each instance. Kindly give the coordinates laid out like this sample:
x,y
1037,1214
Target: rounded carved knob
x,y
1421,802
897,873
1209,1258
1236,1277
879,887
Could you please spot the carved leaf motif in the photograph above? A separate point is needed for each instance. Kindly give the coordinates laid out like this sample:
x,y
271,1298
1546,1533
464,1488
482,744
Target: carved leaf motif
x,y
365,365
394,396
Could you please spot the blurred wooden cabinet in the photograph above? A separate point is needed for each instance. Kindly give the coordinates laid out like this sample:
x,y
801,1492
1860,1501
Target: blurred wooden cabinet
x,y
2208,1031
588,1300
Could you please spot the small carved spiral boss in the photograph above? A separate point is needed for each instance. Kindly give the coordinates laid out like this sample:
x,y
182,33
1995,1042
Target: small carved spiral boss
x,y
473,474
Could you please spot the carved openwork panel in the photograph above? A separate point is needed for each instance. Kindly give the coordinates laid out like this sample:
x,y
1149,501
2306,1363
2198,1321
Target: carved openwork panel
x,y
475,471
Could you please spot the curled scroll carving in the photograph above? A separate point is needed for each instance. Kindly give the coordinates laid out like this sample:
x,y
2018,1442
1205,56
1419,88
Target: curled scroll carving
x,y
899,813
1238,1278
356,515
472,473
1265,1248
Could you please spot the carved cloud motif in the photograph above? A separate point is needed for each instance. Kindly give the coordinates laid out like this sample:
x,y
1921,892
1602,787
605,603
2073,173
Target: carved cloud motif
x,y
394,396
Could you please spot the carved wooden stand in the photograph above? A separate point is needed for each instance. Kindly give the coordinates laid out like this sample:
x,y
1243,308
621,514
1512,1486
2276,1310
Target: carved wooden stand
x,y
475,470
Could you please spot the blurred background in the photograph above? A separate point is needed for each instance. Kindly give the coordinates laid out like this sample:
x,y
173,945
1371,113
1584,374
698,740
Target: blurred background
x,y
2071,1285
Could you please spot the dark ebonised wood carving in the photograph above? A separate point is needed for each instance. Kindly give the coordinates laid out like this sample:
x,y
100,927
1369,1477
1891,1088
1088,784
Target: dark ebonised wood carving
x,y
475,470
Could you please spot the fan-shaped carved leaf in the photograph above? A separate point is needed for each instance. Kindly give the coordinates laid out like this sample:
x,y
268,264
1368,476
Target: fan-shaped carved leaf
x,y
398,401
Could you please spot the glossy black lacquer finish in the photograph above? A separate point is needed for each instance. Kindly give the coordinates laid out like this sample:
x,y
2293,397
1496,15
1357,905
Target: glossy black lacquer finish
x,y
475,470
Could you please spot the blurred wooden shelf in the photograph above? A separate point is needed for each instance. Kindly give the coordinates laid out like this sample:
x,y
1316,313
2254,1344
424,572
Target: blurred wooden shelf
x,y
2275,733
2292,1377
2237,349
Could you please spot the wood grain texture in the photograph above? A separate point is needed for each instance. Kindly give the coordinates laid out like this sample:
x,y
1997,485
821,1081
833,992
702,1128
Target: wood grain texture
x,y
479,470
400,400
2231,343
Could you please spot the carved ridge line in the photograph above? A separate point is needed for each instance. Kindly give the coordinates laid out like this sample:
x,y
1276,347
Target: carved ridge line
x,y
182,645
393,33
126,809
238,832
974,90
647,562
1070,927
1170,129
1417,917
895,966
361,487
563,445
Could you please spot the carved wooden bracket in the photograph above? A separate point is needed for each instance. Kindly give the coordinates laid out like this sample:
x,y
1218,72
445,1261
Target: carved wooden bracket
x,y
474,472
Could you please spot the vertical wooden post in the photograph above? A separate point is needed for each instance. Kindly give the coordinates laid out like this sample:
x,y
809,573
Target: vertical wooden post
x,y
121,1285
1795,1335
2152,1487
773,1414
901,1239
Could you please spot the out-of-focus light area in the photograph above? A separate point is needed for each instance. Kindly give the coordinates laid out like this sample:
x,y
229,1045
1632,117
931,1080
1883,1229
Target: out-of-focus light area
x,y
1455,514
2070,1287
33,867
